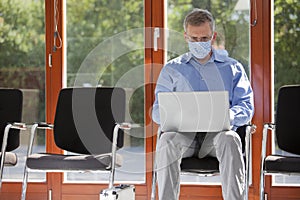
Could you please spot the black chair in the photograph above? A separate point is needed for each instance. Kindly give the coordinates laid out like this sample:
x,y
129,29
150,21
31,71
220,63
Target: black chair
x,y
209,166
287,134
11,103
89,124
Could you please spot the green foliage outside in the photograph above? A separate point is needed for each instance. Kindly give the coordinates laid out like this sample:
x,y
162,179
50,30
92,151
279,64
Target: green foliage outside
x,y
22,54
286,43
89,22
232,26
22,34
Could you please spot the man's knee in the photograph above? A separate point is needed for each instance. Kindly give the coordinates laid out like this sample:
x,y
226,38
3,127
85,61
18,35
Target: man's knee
x,y
168,151
167,141
166,136
230,139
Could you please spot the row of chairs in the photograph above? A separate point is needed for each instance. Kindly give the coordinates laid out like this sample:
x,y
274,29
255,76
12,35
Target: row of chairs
x,y
83,113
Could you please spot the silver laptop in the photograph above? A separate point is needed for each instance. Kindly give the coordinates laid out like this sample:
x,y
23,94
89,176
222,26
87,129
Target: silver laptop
x,y
194,111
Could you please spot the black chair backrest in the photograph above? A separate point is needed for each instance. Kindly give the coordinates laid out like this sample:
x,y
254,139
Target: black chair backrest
x,y
11,103
288,119
85,119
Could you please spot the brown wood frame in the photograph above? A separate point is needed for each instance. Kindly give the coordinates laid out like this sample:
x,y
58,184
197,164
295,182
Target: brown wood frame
x,y
261,70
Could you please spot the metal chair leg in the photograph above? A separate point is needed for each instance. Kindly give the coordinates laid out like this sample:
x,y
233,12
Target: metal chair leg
x,y
154,175
4,144
29,150
153,190
267,127
24,184
247,163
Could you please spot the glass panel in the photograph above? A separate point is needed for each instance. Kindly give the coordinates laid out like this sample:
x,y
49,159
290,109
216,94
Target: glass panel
x,y
22,65
286,32
106,48
232,26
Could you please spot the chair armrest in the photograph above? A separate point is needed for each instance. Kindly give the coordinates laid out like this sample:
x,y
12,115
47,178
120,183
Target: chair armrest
x,y
14,125
44,125
267,126
35,126
126,126
122,126
249,130
244,132
252,128
18,125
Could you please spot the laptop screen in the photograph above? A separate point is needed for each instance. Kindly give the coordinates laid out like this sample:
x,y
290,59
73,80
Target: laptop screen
x,y
205,111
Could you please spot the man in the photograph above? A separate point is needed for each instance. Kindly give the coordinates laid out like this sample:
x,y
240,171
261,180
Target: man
x,y
204,69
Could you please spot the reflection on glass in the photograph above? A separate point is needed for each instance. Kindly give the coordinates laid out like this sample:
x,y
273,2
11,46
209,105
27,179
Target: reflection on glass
x,y
232,24
105,47
286,60
22,65
232,27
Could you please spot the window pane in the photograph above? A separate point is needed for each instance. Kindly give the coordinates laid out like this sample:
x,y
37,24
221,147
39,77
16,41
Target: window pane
x,y
22,65
233,30
286,58
106,48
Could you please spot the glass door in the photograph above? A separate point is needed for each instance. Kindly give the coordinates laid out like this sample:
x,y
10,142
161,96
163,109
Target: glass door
x,y
105,47
22,66
286,68
233,35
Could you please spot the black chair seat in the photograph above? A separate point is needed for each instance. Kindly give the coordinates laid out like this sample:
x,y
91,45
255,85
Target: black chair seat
x,y
206,165
209,165
61,162
282,164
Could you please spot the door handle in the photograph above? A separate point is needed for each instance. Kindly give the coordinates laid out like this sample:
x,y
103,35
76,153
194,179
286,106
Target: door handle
x,y
156,35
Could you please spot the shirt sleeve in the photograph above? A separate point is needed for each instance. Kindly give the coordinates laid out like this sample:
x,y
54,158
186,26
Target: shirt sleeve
x,y
164,84
242,105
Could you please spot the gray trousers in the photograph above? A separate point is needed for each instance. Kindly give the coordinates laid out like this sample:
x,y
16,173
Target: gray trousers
x,y
225,146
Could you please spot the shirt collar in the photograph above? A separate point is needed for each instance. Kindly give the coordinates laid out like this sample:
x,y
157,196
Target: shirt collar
x,y
220,55
217,55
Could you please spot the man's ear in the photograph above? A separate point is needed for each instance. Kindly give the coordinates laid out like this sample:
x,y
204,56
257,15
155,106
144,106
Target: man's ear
x,y
185,37
214,36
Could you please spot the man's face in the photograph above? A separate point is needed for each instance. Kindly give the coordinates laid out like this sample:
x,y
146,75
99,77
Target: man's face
x,y
202,33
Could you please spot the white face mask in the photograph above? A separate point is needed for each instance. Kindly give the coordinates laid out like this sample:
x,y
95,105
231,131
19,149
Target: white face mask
x,y
200,49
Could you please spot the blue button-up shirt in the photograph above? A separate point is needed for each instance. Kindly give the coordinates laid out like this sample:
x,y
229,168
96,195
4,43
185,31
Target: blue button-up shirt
x,y
220,73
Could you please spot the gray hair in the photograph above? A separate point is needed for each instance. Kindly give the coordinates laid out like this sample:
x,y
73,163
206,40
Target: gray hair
x,y
198,17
